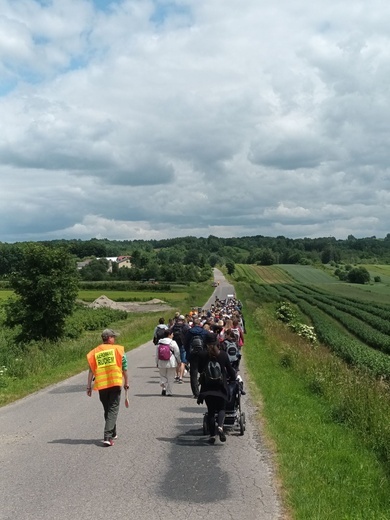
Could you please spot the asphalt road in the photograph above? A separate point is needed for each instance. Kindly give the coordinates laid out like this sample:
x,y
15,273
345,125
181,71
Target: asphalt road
x,y
54,465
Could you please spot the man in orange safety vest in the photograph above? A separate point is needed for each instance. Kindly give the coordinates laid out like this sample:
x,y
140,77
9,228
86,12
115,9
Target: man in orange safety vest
x,y
108,368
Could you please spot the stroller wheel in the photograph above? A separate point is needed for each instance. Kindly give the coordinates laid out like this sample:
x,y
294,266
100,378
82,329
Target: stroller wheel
x,y
205,425
242,423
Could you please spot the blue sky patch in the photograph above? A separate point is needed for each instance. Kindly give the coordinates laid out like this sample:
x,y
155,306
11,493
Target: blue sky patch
x,y
164,10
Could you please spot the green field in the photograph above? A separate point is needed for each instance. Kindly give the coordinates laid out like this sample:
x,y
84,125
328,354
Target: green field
x,y
325,401
379,270
272,274
309,274
376,292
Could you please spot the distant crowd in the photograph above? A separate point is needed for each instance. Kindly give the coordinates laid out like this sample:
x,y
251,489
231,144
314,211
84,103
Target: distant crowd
x,y
206,344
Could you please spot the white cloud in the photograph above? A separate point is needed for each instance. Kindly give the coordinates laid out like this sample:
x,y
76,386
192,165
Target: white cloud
x,y
157,119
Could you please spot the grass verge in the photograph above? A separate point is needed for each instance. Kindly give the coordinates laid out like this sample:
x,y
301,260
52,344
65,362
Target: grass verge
x,y
327,462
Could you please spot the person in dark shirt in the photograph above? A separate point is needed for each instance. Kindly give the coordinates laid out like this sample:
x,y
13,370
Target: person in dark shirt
x,y
192,357
215,394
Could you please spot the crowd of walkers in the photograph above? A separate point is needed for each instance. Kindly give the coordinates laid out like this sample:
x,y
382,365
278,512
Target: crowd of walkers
x,y
196,344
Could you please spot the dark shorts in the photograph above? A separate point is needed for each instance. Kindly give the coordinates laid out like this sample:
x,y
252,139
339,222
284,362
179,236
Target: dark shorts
x,y
183,355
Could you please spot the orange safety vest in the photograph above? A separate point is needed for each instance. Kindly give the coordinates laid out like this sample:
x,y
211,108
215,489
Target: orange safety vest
x,y
105,362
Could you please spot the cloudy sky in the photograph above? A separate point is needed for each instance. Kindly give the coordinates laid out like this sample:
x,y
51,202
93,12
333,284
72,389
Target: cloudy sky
x,y
130,119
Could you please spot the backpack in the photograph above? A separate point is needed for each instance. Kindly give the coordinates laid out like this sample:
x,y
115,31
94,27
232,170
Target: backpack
x,y
164,352
232,351
213,374
196,345
160,332
236,332
177,330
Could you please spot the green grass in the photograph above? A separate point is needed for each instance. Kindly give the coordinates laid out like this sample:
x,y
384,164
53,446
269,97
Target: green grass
x,y
38,365
47,363
329,468
379,270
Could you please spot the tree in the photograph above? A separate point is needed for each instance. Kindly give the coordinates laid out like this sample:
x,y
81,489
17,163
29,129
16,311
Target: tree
x,y
213,260
230,266
358,275
96,270
267,257
45,282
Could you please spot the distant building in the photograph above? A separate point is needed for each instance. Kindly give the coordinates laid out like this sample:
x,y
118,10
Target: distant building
x,y
122,261
84,263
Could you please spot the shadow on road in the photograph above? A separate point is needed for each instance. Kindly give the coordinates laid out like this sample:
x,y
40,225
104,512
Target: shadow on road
x,y
67,389
78,441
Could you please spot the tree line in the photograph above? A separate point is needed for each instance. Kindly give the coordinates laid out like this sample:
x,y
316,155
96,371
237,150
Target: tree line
x,y
45,280
191,258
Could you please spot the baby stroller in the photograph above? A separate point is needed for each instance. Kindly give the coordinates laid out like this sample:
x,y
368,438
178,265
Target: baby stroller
x,y
234,416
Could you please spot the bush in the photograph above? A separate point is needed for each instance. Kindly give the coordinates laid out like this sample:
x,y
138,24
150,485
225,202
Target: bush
x,y
358,275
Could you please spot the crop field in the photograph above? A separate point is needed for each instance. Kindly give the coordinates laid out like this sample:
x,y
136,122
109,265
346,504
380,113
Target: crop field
x,y
308,274
356,330
373,292
272,274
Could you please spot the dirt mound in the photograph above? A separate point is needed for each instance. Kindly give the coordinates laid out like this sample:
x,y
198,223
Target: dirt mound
x,y
153,305
103,301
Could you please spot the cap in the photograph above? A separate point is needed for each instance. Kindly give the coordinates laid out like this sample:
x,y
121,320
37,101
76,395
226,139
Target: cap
x,y
181,317
109,333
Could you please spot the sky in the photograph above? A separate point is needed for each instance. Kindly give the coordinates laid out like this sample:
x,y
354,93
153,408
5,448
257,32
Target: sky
x,y
153,119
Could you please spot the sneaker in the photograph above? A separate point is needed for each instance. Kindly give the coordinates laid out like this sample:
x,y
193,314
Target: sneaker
x,y
211,440
180,380
163,392
108,442
115,437
221,433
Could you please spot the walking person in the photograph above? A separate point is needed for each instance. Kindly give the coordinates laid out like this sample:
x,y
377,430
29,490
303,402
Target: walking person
x,y
159,330
179,330
108,367
195,342
214,390
167,359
